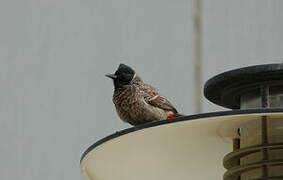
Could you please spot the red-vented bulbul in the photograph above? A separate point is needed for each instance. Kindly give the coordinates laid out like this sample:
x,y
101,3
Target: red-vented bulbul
x,y
137,102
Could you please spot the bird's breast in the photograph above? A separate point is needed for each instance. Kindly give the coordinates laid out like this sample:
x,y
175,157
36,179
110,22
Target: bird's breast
x,y
132,107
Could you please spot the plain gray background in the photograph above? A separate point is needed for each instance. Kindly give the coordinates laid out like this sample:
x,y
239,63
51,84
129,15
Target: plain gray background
x,y
54,98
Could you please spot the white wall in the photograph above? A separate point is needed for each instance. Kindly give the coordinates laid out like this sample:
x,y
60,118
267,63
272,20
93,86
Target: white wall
x,y
54,98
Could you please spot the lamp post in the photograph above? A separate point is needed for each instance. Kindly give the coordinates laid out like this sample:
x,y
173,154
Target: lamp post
x,y
247,140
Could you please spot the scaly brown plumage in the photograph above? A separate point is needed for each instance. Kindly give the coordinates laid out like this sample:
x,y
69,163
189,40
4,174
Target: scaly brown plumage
x,y
137,102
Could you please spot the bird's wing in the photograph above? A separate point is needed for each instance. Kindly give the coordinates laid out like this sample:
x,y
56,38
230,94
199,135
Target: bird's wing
x,y
163,103
153,98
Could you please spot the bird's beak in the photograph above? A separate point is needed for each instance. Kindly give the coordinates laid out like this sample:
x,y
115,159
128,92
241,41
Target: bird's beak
x,y
112,76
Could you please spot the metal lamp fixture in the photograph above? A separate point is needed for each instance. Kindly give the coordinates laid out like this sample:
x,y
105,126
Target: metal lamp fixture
x,y
245,143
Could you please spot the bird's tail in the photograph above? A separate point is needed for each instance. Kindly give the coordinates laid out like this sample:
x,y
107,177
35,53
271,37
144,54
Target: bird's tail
x,y
179,115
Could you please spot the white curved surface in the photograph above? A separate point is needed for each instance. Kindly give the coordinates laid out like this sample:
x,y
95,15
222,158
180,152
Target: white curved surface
x,y
191,149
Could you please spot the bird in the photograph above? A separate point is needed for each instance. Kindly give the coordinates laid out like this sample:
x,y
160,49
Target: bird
x,y
136,102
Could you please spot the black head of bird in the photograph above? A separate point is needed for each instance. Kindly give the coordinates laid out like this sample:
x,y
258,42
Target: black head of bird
x,y
123,76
